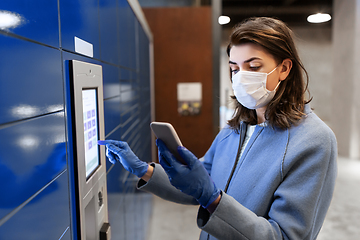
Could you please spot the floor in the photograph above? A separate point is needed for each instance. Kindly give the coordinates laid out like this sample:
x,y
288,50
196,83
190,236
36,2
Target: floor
x,y
172,221
342,220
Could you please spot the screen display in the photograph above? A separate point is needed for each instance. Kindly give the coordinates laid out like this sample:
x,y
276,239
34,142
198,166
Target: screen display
x,y
89,100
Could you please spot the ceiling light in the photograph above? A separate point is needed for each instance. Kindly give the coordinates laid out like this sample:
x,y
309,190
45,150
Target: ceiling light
x,y
319,18
9,20
223,20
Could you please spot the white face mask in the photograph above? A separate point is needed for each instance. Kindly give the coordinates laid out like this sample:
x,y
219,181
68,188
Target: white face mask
x,y
250,89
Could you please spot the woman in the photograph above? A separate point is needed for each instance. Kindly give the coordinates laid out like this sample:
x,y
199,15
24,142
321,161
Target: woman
x,y
271,173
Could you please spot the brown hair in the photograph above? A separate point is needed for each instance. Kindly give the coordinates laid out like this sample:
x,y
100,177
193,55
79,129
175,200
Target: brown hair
x,y
287,106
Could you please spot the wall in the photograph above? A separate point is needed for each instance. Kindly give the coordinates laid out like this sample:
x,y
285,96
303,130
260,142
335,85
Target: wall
x,y
314,44
346,85
35,201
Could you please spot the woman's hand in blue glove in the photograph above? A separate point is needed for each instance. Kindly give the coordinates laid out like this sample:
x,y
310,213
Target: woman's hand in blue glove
x,y
120,151
192,179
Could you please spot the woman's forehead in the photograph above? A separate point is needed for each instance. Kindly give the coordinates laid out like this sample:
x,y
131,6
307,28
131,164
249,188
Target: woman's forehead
x,y
248,51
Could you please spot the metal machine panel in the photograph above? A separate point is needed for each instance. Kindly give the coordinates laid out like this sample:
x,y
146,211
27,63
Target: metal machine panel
x,y
89,159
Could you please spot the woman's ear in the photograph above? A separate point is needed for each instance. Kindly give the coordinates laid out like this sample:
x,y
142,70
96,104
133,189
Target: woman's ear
x,y
285,69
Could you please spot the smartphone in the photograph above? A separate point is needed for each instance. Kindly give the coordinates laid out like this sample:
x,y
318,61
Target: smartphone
x,y
166,132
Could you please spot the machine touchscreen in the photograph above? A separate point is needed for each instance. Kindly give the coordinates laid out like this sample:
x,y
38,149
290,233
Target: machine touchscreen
x,y
90,114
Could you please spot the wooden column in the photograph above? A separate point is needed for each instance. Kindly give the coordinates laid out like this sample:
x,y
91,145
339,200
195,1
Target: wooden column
x,y
183,53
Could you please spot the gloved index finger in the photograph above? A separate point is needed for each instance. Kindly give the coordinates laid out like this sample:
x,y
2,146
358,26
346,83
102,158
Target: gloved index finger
x,y
106,142
112,145
103,142
114,142
114,148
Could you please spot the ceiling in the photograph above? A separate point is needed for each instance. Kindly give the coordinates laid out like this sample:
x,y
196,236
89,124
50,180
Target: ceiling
x,y
293,12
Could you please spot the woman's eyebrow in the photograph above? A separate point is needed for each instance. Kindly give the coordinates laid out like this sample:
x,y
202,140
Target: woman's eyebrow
x,y
246,61
252,59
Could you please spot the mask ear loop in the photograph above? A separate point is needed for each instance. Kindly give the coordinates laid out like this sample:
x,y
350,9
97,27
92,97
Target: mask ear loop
x,y
275,89
272,71
268,75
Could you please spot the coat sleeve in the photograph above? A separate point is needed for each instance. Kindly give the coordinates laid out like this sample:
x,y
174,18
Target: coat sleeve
x,y
159,184
299,203
231,220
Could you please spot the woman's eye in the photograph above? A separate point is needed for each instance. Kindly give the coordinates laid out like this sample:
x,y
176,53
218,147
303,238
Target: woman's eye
x,y
234,71
254,68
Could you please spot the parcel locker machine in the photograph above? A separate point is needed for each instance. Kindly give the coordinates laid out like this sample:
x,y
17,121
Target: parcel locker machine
x,y
87,158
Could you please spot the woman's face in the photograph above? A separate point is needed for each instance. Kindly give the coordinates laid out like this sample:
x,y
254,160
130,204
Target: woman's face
x,y
252,57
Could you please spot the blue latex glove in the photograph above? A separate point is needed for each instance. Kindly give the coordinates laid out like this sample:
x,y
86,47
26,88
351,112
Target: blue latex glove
x,y
192,179
120,151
